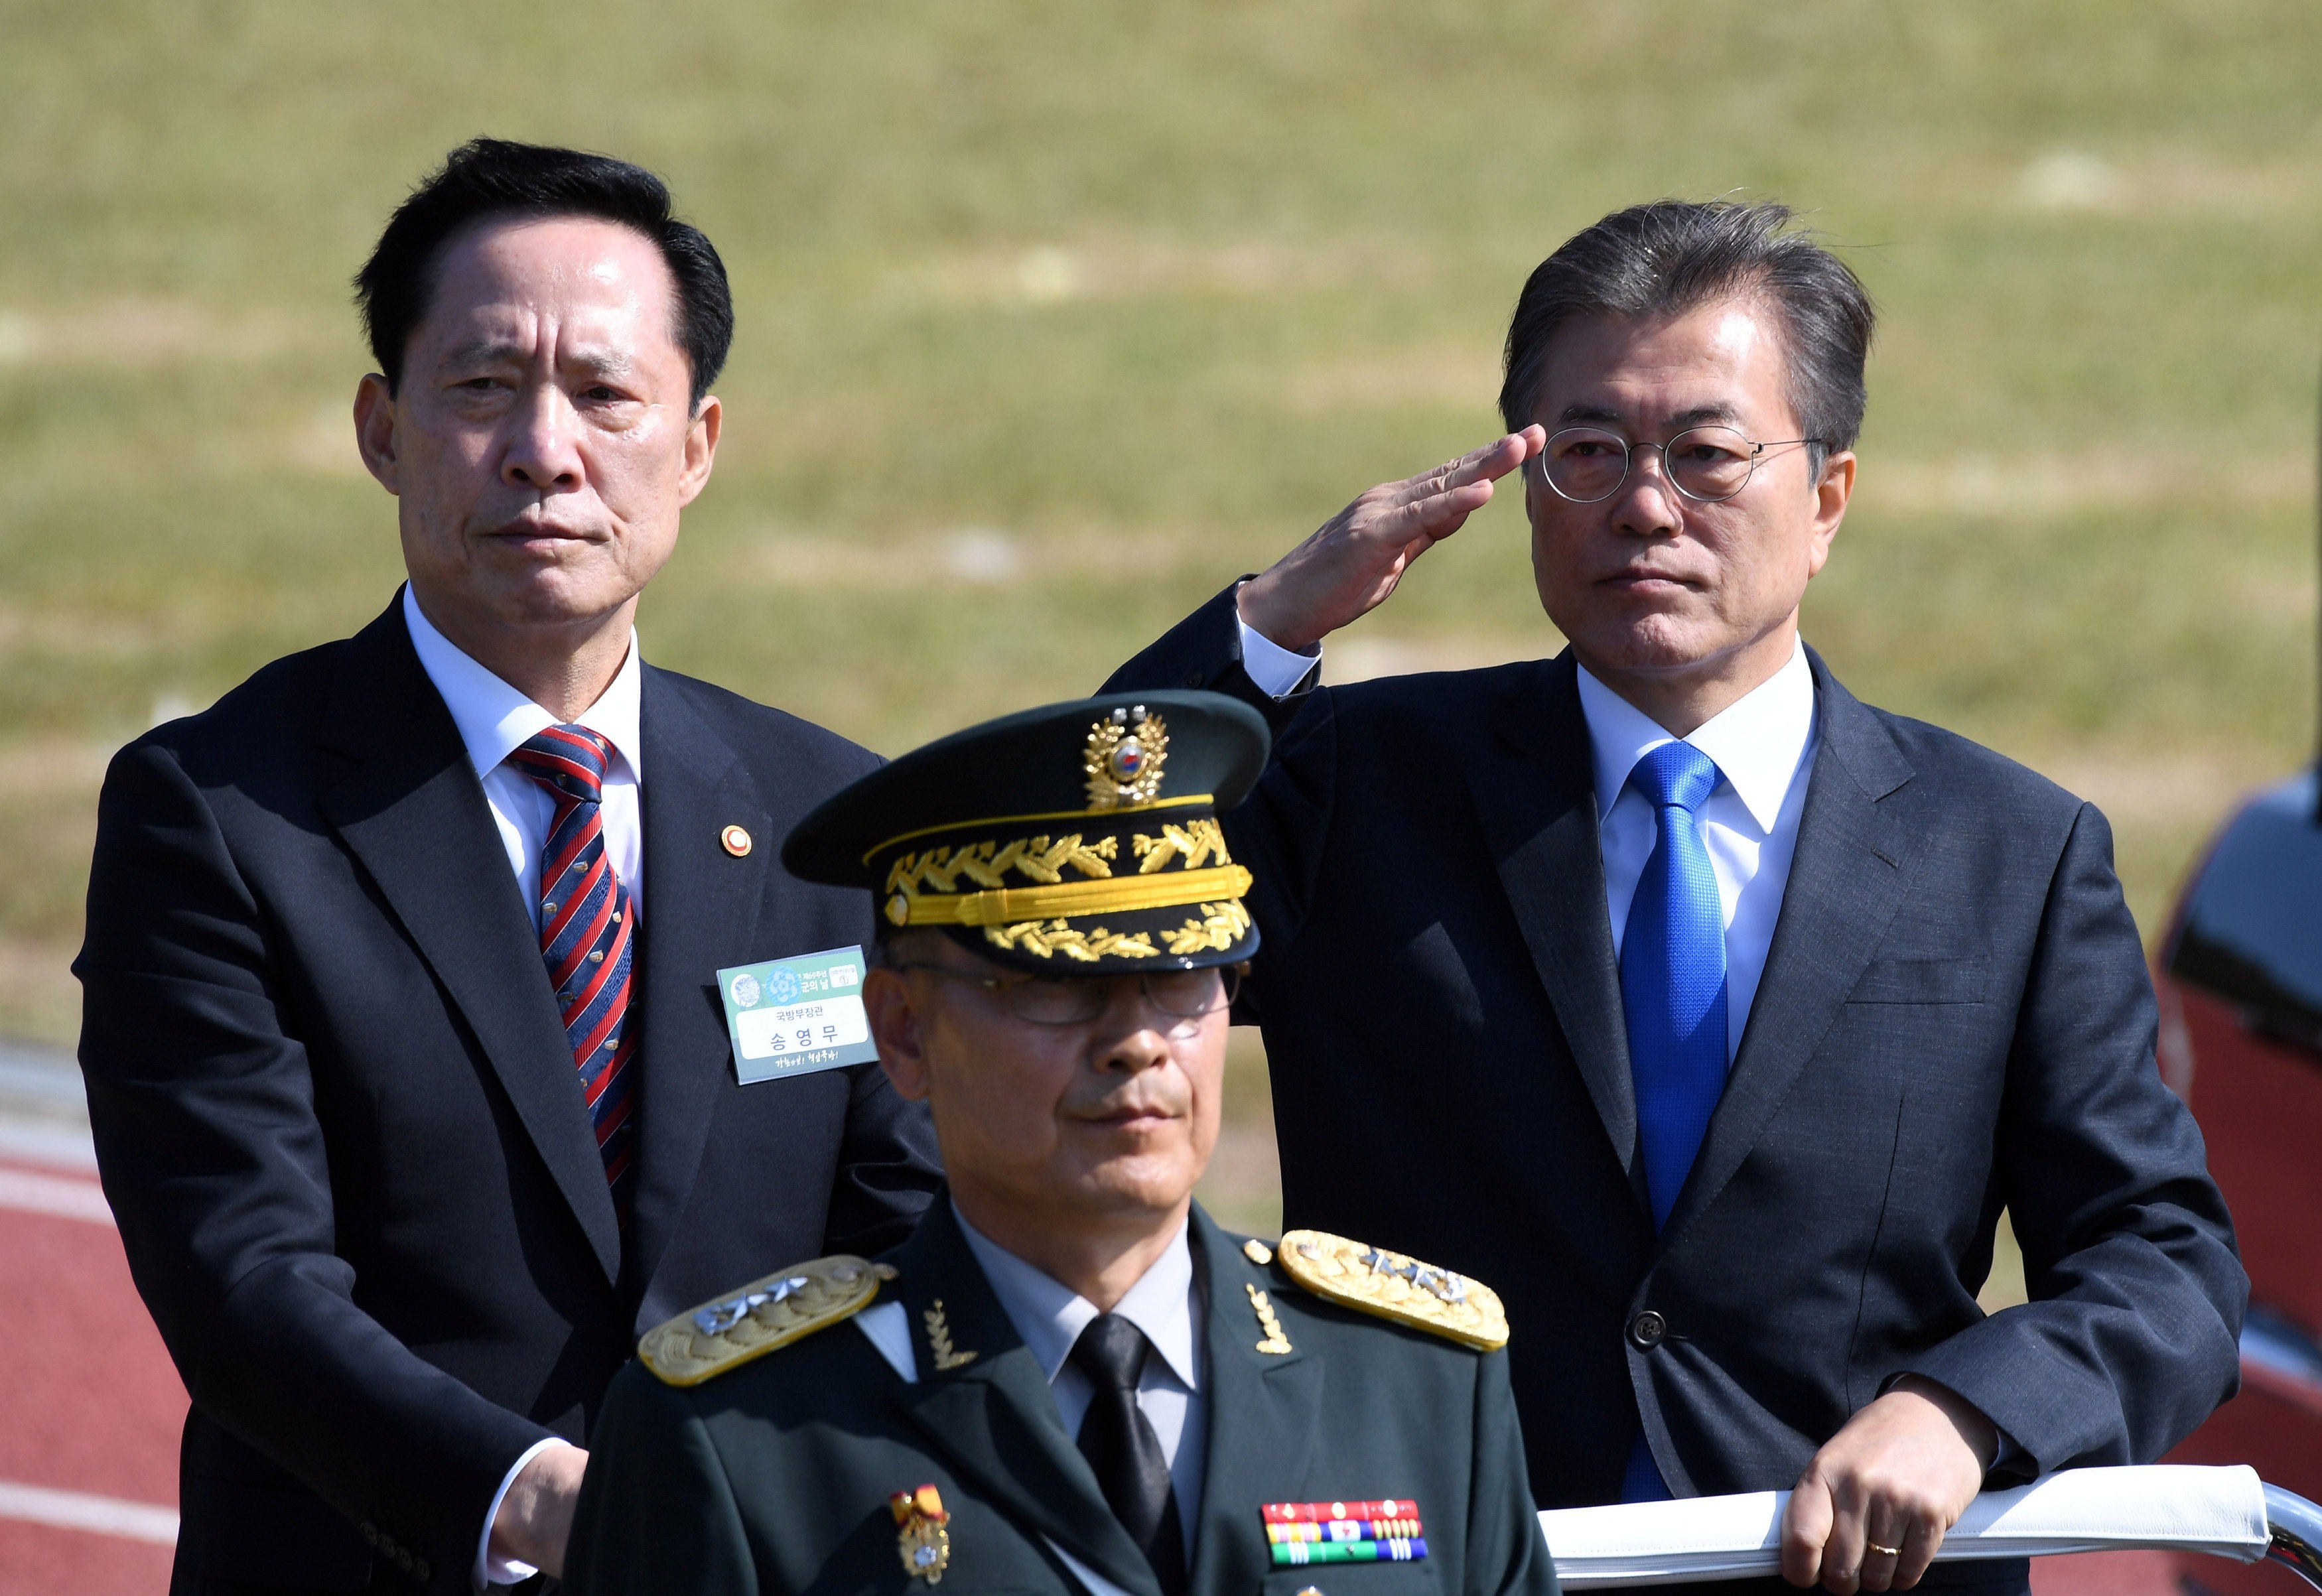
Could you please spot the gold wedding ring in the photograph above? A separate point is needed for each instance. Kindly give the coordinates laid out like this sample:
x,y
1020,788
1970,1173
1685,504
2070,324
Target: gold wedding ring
x,y
1882,1551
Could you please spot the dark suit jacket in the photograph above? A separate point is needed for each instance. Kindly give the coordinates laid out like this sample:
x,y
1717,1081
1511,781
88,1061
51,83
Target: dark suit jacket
x,y
1955,1017
772,1478
338,1119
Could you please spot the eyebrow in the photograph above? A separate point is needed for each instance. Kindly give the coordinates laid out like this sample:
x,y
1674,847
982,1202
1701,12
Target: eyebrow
x,y
603,360
1699,416
598,359
484,351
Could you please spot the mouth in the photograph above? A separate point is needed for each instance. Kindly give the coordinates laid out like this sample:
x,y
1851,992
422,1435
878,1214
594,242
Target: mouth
x,y
536,535
1646,583
1133,1118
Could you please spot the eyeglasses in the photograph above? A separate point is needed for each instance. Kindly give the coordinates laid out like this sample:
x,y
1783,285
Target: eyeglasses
x,y
1587,464
1076,1000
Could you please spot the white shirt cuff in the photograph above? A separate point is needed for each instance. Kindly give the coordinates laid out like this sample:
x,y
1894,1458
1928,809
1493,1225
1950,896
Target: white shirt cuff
x,y
1274,669
489,1570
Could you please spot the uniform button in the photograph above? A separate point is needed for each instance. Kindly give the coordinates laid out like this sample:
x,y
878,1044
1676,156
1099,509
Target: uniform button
x,y
1193,679
370,1533
1646,1330
420,1570
402,1559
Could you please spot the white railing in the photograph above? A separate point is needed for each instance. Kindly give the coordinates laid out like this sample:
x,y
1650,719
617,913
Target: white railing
x,y
2221,1512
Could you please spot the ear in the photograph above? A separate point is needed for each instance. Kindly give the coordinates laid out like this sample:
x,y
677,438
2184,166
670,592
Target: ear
x,y
1831,496
702,435
895,1026
375,429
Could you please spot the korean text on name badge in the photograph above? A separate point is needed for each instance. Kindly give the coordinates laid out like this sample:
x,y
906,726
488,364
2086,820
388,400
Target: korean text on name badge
x,y
791,1016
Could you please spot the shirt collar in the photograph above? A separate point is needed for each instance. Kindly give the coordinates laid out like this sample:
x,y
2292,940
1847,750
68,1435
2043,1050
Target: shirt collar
x,y
1050,1315
1757,740
494,720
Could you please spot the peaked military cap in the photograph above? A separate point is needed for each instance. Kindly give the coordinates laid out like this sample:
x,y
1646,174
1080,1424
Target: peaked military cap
x,y
1078,838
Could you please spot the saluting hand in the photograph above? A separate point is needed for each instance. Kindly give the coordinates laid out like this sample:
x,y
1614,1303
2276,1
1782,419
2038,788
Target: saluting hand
x,y
1349,567
1878,1497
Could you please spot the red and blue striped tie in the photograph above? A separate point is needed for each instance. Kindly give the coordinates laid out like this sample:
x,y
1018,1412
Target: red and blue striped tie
x,y
588,935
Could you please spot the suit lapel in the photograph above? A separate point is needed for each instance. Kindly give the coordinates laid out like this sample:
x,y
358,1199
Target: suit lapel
x,y
414,813
994,1419
1853,866
699,901
1265,1413
1536,796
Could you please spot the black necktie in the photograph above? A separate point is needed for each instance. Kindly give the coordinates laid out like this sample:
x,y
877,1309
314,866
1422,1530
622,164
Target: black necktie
x,y
1119,1442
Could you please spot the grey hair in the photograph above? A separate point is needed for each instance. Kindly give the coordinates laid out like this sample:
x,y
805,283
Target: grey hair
x,y
1663,259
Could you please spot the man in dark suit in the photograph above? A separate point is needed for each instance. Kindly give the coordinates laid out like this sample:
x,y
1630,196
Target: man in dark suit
x,y
411,1093
1715,1016
1069,1380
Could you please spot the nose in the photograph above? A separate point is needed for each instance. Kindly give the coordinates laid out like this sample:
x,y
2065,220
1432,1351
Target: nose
x,y
1647,504
544,452
1133,1034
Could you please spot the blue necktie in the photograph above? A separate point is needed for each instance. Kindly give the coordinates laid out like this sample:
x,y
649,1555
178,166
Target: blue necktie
x,y
1673,995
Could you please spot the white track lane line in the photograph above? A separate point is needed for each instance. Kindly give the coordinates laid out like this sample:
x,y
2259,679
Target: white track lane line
x,y
53,1195
99,1515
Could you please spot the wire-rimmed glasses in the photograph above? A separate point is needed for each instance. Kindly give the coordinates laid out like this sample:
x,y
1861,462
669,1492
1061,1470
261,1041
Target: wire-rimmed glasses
x,y
1708,464
1076,1000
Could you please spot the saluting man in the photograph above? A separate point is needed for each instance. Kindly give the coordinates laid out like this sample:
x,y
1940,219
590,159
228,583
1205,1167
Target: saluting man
x,y
1716,1015
1069,1379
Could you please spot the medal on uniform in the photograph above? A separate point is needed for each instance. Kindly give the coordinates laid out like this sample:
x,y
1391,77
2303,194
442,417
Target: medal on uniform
x,y
920,1539
1298,1533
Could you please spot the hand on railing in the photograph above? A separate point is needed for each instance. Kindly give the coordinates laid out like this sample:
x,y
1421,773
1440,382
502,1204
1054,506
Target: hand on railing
x,y
2223,1512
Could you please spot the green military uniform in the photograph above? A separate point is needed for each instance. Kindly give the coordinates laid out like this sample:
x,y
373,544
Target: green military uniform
x,y
776,1475
778,1441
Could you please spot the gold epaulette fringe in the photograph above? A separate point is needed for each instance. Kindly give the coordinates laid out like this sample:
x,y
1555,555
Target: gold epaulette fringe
x,y
1392,1286
787,1306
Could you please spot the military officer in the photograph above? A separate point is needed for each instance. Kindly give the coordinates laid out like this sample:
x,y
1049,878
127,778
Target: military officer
x,y
1068,1379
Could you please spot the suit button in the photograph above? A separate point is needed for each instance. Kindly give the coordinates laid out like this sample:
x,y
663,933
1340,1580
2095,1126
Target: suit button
x,y
1646,1330
1193,679
402,1559
370,1533
420,1570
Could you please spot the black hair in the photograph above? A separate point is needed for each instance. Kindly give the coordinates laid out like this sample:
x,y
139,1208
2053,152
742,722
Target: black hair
x,y
1670,256
489,178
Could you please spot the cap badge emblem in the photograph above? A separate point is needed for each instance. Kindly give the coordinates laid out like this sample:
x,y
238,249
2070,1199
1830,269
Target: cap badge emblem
x,y
1126,750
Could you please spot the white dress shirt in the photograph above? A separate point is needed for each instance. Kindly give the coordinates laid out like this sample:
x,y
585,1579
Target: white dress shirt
x,y
494,720
1763,744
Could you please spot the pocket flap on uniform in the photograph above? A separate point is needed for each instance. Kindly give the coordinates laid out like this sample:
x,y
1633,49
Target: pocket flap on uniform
x,y
1924,981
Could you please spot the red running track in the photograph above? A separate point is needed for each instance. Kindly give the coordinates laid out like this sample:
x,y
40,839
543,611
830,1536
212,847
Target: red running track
x,y
89,1402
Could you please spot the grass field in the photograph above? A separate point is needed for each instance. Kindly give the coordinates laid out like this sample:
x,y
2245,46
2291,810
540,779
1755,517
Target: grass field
x,y
1054,318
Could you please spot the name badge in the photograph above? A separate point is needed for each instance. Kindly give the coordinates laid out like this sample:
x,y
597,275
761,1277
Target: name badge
x,y
792,1017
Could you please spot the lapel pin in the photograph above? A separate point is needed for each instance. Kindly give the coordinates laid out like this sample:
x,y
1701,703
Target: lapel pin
x,y
939,1340
920,1537
1276,1342
736,841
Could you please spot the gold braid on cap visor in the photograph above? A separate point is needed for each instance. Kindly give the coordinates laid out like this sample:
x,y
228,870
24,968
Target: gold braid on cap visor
x,y
987,900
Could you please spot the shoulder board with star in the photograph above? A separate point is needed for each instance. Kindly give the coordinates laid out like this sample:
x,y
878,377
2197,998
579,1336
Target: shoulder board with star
x,y
1392,1286
788,1305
